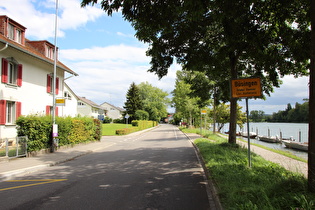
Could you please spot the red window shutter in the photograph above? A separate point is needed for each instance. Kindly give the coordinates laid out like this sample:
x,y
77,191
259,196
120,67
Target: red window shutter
x,y
47,110
18,109
57,85
56,111
4,76
19,75
2,112
48,83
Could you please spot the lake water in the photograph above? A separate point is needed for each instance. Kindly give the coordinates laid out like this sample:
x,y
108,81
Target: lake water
x,y
299,131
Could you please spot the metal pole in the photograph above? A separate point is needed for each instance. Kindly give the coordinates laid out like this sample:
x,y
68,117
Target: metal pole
x,y
200,123
54,78
248,139
55,65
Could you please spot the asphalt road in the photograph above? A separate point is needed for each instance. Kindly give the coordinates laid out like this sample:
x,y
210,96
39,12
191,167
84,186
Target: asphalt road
x,y
157,169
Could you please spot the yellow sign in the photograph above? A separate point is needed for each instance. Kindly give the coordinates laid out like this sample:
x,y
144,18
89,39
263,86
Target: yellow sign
x,y
60,101
203,111
243,88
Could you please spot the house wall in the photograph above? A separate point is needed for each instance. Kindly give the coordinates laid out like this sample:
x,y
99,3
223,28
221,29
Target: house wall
x,y
112,112
85,110
32,94
70,109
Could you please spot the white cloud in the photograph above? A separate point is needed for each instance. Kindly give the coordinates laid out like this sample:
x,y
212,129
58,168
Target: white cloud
x,y
39,15
107,72
109,53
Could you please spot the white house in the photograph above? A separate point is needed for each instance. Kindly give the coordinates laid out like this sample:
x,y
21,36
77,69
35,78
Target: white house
x,y
112,111
71,103
89,108
26,76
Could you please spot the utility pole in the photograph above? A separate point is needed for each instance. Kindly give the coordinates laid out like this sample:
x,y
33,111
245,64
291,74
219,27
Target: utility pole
x,y
55,126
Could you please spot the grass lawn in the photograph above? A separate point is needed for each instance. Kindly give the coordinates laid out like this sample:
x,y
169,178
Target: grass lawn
x,y
110,129
265,185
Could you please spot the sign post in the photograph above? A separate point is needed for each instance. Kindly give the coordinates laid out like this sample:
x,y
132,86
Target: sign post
x,y
126,117
246,88
203,112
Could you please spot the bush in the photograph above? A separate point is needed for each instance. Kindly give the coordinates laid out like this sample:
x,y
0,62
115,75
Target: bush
x,y
119,121
107,120
38,129
143,124
125,131
141,115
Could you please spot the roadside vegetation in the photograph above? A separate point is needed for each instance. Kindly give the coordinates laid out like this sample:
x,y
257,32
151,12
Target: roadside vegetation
x,y
110,129
123,129
265,185
208,134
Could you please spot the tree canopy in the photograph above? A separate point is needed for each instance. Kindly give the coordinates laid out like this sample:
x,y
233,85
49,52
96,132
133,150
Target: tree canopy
x,y
227,39
154,101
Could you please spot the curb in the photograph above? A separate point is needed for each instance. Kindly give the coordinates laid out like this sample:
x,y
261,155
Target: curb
x,y
213,197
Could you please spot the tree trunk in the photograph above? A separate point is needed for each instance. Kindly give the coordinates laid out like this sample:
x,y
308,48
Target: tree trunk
x,y
233,102
233,115
214,116
311,132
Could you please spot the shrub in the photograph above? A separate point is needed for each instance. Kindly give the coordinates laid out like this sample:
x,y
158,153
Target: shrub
x,y
125,131
141,115
107,120
143,124
38,129
119,121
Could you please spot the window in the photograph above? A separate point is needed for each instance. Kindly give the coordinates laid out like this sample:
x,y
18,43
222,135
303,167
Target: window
x,y
81,104
50,82
9,111
19,36
49,110
11,31
67,95
11,72
50,52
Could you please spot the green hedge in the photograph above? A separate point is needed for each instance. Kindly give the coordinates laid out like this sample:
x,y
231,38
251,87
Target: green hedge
x,y
143,124
138,125
38,129
125,131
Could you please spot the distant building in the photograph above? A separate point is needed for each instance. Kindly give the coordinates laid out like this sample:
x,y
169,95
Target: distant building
x,y
112,111
89,108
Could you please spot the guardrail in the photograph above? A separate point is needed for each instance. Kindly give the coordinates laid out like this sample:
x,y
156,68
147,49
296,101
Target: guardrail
x,y
13,147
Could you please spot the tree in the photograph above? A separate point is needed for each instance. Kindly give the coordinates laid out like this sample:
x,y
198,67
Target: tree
x,y
186,106
257,115
228,39
154,100
311,129
141,115
133,102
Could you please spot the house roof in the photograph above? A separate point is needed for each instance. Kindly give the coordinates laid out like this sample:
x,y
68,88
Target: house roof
x,y
89,102
28,48
72,92
116,107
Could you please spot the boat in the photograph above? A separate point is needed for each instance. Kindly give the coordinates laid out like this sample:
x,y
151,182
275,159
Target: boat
x,y
252,135
270,139
237,133
296,145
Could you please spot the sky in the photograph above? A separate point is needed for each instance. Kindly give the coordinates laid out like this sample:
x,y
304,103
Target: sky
x,y
108,58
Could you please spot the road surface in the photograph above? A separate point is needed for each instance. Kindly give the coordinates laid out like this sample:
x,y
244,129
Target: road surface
x,y
157,169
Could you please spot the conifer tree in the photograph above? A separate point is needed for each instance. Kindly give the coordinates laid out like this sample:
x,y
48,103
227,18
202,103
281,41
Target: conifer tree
x,y
133,102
